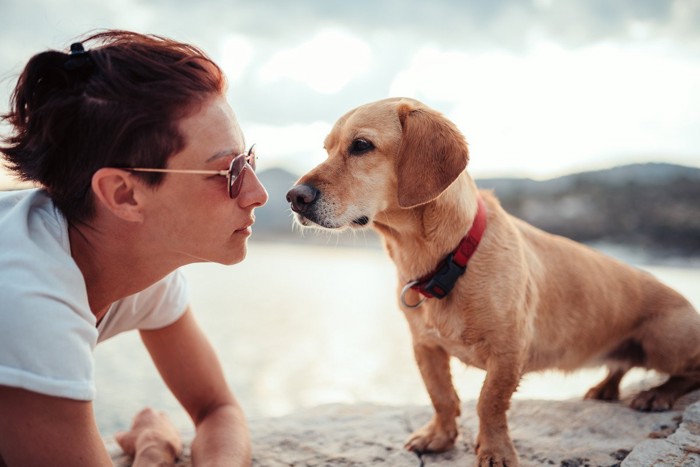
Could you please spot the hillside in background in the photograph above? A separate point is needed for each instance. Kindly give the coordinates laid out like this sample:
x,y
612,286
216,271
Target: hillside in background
x,y
649,206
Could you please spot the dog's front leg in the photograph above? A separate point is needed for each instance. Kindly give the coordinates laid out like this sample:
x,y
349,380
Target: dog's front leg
x,y
493,445
441,432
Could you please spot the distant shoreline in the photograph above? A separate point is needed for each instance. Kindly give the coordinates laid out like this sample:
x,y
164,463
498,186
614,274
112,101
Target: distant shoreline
x,y
651,208
648,212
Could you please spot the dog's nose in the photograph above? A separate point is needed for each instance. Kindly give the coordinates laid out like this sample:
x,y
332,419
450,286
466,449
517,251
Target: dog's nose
x,y
301,197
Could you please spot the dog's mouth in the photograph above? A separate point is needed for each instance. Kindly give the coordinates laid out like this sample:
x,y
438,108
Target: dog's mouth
x,y
361,221
311,220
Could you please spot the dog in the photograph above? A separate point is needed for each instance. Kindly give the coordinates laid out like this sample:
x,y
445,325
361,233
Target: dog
x,y
483,286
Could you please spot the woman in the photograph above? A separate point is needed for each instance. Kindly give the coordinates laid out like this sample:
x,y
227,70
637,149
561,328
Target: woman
x,y
141,168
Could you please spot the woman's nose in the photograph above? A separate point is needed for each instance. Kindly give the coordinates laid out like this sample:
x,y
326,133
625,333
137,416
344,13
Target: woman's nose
x,y
253,192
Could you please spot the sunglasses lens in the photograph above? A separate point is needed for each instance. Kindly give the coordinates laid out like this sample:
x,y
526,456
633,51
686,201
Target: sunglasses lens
x,y
238,166
236,175
235,187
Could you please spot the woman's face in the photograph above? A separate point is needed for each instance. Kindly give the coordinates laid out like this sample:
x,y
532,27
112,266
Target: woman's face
x,y
193,216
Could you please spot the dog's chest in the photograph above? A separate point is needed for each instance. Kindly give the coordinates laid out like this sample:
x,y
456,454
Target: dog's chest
x,y
438,328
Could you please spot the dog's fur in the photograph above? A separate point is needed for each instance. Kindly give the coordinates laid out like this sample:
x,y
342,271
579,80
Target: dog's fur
x,y
528,301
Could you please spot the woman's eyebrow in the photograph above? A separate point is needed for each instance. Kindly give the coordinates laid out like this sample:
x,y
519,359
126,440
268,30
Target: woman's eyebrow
x,y
220,155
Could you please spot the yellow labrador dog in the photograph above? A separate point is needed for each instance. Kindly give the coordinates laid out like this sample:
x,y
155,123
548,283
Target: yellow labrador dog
x,y
485,287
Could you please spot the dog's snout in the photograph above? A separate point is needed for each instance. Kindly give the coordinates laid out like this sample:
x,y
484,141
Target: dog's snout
x,y
301,197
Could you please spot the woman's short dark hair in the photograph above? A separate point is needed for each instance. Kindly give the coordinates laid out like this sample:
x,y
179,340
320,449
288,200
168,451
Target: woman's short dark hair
x,y
116,105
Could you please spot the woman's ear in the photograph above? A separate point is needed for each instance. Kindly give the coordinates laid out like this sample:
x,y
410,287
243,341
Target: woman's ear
x,y
116,191
433,153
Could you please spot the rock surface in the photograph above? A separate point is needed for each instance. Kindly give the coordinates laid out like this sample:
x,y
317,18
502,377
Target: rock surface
x,y
569,433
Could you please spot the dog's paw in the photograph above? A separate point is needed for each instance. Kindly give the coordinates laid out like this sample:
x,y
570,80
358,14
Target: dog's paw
x,y
653,400
603,392
496,454
497,460
432,438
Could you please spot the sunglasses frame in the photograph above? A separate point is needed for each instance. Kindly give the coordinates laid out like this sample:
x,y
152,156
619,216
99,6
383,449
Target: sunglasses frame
x,y
234,173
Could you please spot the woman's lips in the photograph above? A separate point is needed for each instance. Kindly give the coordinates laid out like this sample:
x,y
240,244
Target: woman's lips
x,y
247,229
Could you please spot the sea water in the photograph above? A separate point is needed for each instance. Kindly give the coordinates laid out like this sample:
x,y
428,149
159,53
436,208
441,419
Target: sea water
x,y
296,326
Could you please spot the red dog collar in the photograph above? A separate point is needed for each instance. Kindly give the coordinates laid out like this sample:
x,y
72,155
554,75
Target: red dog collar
x,y
439,283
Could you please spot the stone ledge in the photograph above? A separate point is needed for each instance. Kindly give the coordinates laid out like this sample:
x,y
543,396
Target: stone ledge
x,y
681,447
569,433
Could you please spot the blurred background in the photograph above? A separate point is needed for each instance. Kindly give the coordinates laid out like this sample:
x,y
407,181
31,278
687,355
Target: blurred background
x,y
582,115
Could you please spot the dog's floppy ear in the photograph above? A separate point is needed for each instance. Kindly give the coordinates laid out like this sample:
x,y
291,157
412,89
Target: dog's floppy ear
x,y
433,153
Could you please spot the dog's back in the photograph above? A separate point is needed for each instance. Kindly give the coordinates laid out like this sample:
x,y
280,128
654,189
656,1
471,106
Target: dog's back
x,y
591,308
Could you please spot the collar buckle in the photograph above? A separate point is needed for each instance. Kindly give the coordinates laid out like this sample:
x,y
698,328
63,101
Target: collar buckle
x,y
444,279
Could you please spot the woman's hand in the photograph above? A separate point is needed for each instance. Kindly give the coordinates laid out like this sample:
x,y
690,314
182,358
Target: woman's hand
x,y
152,439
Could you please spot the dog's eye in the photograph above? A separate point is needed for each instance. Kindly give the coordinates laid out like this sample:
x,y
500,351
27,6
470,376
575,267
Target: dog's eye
x,y
360,146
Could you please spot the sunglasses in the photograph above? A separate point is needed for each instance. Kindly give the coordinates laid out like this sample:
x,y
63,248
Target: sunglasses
x,y
234,174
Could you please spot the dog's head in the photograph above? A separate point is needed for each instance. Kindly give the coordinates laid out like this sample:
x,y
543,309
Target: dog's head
x,y
391,154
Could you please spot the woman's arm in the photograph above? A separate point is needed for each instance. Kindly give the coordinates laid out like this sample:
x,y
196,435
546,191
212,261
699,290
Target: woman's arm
x,y
39,430
190,368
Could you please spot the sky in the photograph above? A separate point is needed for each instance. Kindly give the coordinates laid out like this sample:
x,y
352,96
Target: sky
x,y
540,88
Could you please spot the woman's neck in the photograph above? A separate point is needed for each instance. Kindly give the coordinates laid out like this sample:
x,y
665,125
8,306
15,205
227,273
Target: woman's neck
x,y
112,267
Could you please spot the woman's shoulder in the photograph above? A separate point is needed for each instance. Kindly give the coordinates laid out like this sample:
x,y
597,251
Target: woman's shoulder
x,y
36,266
33,207
31,224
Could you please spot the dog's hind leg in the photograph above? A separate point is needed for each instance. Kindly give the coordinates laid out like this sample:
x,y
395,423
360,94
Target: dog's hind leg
x,y
663,397
628,354
671,343
609,388
441,432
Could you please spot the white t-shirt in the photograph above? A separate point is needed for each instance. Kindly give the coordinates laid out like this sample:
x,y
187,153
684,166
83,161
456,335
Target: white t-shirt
x,y
47,331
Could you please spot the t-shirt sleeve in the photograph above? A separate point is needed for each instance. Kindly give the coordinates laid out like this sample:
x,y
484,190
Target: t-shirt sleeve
x,y
47,331
47,347
158,306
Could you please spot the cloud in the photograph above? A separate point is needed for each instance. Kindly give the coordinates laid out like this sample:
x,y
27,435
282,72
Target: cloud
x,y
326,63
236,52
598,78
297,147
550,110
